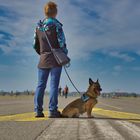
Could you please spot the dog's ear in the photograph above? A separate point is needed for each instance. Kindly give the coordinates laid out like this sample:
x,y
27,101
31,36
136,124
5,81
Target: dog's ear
x,y
97,81
90,81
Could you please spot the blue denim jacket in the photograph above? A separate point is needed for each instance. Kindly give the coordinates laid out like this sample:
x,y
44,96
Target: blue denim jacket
x,y
59,30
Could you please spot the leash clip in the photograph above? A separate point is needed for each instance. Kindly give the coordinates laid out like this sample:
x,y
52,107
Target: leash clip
x,y
67,65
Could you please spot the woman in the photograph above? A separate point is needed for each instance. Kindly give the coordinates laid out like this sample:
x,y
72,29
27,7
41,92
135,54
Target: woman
x,y
47,64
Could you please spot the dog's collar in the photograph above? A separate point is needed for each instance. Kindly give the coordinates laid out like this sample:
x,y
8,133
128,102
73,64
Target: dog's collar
x,y
85,97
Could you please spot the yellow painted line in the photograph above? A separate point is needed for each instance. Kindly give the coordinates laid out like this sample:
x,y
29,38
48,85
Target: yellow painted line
x,y
99,111
118,115
111,106
23,117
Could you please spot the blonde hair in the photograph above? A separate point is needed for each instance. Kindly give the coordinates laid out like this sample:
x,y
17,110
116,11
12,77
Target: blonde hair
x,y
50,9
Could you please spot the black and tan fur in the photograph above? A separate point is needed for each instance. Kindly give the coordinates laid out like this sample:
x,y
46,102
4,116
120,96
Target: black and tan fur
x,y
78,106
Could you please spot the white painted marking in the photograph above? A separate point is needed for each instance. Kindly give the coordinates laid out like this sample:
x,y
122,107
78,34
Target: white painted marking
x,y
85,130
107,131
60,130
89,129
131,129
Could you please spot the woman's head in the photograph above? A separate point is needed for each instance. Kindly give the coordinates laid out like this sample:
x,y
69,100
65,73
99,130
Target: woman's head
x,y
50,9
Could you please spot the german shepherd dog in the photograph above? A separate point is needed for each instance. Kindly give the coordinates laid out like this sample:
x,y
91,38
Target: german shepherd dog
x,y
79,106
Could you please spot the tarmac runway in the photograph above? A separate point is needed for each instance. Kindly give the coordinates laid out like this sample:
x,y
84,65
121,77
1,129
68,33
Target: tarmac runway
x,y
115,119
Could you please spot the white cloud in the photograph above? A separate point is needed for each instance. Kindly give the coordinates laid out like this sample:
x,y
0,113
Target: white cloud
x,y
21,27
123,56
117,28
119,55
118,25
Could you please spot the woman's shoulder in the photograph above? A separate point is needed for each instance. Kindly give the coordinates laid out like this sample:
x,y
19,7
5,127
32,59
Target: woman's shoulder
x,y
58,22
54,21
49,22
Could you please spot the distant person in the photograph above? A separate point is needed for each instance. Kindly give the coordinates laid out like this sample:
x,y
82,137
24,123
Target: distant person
x,y
60,91
47,64
66,90
63,93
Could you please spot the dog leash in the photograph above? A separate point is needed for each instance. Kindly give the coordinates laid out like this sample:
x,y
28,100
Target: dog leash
x,y
70,78
84,97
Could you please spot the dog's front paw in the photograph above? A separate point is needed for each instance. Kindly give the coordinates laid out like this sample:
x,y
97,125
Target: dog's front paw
x,y
91,116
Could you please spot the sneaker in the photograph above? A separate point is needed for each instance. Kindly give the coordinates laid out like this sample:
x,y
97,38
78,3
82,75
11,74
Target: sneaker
x,y
55,114
39,115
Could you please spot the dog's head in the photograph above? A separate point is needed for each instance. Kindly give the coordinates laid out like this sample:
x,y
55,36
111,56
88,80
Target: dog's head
x,y
94,88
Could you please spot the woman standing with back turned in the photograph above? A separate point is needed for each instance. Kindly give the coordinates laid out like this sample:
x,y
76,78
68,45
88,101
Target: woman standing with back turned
x,y
47,64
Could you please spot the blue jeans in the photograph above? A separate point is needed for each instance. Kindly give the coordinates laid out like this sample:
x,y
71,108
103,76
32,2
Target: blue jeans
x,y
40,90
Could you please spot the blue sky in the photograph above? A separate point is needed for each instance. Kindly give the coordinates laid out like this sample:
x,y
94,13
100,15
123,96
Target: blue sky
x,y
103,39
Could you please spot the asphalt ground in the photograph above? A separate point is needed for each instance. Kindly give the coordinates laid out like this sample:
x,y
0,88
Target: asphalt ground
x,y
120,116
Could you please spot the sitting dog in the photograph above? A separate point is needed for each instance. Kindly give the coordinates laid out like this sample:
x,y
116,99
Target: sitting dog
x,y
85,103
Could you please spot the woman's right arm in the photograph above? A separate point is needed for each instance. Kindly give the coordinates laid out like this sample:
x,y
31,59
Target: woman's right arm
x,y
36,44
61,38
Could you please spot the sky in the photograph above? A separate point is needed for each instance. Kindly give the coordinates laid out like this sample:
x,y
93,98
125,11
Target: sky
x,y
102,36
